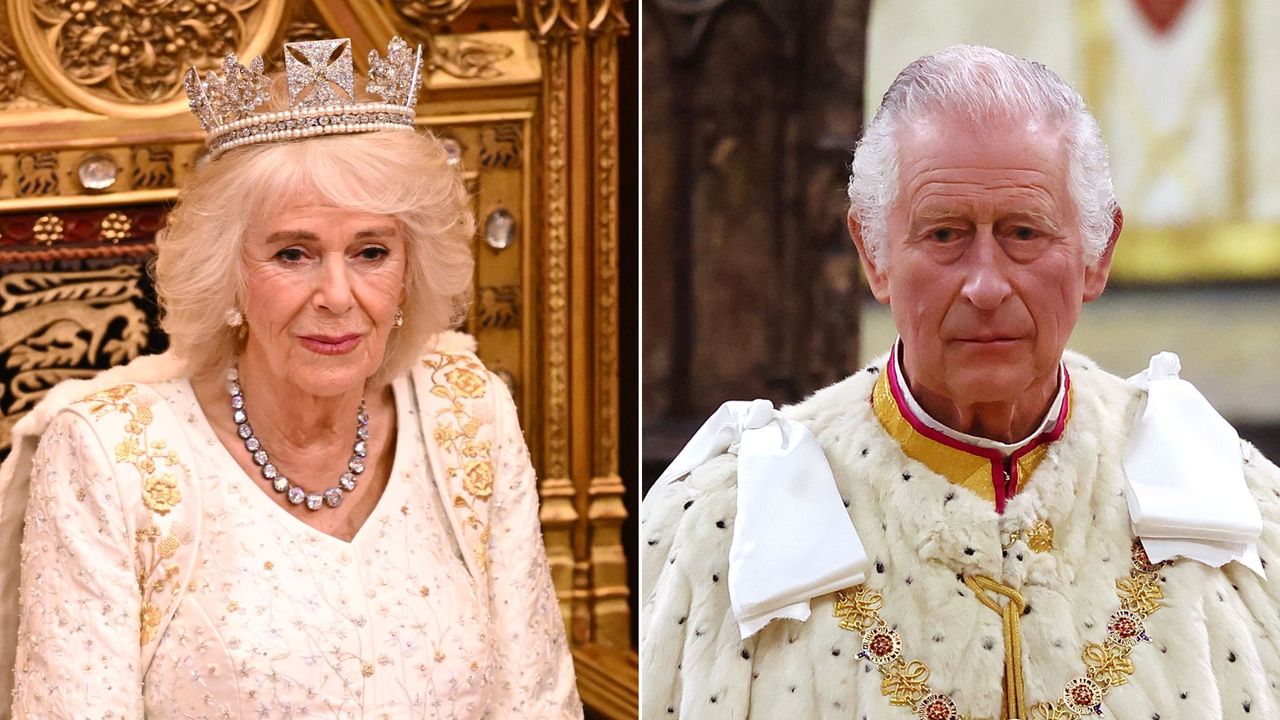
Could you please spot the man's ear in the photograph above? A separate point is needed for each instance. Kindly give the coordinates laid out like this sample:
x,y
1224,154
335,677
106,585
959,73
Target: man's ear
x,y
1095,278
877,279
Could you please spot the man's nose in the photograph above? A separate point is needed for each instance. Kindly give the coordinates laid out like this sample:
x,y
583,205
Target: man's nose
x,y
333,291
986,282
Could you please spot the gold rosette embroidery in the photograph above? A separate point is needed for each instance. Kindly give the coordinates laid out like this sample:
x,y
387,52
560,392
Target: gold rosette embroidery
x,y
466,383
479,478
160,490
149,616
460,380
157,466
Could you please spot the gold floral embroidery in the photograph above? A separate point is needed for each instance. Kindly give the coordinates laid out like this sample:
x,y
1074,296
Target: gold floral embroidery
x,y
155,577
458,379
479,478
160,491
156,464
466,382
150,617
1040,537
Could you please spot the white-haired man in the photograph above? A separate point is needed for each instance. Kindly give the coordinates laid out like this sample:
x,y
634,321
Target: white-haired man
x,y
981,523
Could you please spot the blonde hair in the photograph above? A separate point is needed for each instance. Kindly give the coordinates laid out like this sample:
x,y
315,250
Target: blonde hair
x,y
199,274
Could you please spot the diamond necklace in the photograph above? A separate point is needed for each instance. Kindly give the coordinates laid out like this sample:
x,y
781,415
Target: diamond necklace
x,y
296,495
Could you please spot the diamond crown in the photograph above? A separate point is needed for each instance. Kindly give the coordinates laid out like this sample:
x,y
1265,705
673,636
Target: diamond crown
x,y
321,85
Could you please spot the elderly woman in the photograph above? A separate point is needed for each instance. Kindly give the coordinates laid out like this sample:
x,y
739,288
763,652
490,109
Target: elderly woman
x,y
327,509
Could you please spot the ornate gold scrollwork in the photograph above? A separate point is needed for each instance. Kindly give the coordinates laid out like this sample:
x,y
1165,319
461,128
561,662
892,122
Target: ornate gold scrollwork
x,y
467,57
431,12
11,73
549,19
116,57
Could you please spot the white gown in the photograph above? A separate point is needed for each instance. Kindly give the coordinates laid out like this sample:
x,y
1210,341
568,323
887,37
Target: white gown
x,y
280,620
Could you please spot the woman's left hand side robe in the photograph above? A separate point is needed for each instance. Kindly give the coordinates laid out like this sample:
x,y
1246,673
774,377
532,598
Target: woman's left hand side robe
x,y
80,616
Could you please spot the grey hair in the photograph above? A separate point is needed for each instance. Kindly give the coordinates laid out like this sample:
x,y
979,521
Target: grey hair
x,y
980,83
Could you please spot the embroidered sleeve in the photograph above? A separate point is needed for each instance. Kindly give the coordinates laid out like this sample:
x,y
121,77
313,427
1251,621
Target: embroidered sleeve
x,y
81,613
693,663
534,670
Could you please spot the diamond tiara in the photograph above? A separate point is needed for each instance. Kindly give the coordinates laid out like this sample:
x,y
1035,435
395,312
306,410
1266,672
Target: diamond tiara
x,y
321,86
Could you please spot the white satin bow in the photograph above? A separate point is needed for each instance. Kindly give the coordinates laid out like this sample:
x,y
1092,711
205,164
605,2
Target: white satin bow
x,y
1186,490
792,539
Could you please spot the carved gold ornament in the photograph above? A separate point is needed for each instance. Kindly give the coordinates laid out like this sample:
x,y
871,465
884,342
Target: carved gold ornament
x,y
1107,664
904,683
120,57
11,73
1039,537
467,58
48,229
37,174
115,227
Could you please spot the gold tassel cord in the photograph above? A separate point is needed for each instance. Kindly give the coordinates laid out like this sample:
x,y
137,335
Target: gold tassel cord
x,y
1011,614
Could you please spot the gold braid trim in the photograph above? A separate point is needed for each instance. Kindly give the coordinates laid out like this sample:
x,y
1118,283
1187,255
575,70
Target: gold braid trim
x,y
1014,690
905,683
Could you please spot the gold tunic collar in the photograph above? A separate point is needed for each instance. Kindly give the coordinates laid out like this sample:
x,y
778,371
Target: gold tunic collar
x,y
984,471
